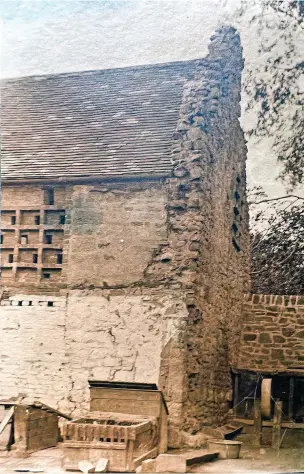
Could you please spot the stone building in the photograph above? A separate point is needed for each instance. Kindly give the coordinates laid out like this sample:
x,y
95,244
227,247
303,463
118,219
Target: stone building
x,y
124,240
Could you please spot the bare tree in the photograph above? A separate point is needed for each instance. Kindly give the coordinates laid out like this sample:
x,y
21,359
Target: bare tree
x,y
274,85
277,244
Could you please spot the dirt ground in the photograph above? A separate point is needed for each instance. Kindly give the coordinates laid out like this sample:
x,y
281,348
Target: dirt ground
x,y
252,460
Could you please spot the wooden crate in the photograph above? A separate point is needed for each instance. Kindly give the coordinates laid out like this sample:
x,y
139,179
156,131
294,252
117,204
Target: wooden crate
x,y
141,401
34,429
124,440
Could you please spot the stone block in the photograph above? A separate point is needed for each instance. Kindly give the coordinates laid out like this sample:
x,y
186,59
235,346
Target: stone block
x,y
287,332
15,303
265,338
149,465
101,465
249,337
170,463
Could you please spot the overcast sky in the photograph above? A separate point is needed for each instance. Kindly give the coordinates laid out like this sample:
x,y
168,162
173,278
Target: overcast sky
x,y
52,36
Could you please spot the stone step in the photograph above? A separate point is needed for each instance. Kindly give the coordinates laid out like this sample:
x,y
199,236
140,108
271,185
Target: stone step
x,y
177,462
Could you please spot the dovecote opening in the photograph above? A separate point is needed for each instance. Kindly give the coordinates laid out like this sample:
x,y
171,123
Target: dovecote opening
x,y
24,239
52,274
49,197
48,239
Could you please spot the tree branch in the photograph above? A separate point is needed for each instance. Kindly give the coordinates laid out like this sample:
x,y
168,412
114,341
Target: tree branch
x,y
278,198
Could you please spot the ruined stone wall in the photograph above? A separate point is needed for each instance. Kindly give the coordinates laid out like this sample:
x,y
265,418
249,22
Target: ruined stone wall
x,y
273,333
208,251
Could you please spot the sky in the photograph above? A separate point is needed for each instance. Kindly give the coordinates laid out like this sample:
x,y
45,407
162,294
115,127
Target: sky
x,y
53,36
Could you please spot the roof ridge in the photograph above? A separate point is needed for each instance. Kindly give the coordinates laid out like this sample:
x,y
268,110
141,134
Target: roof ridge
x,y
96,71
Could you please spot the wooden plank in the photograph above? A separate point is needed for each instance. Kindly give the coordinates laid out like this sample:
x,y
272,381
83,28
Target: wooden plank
x,y
266,397
132,407
83,444
124,394
43,406
236,394
276,429
198,458
6,419
233,432
284,424
257,426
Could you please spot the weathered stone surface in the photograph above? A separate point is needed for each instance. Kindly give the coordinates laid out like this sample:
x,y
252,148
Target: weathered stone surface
x,y
170,463
149,465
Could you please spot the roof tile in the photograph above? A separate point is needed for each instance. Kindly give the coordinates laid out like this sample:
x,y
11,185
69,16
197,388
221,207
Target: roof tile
x,y
96,123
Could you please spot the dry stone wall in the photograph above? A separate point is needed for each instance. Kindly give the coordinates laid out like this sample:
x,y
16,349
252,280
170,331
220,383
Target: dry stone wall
x,y
273,333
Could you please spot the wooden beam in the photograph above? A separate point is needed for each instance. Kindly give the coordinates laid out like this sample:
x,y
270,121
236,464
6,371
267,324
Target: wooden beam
x,y
236,393
43,406
257,426
7,417
276,429
284,424
290,400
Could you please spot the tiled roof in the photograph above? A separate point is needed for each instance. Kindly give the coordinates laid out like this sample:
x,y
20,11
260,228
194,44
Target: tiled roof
x,y
103,123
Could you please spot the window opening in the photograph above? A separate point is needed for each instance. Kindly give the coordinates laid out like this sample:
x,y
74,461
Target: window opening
x,y
10,258
35,257
24,240
46,275
13,220
49,197
50,303
36,220
1,238
48,239
62,219
59,258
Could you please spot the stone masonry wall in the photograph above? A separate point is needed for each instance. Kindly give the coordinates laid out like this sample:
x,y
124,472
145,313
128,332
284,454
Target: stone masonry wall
x,y
51,345
207,253
273,333
119,226
32,349
154,272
